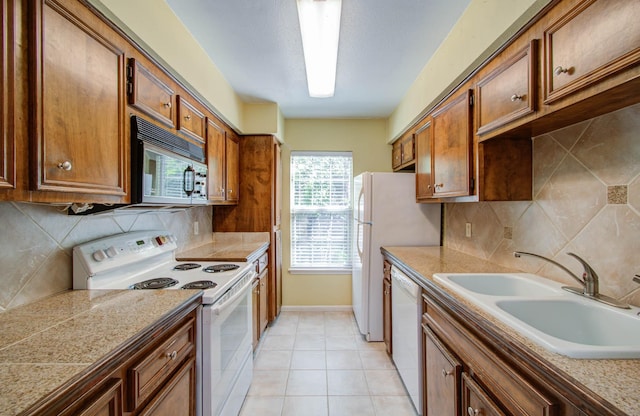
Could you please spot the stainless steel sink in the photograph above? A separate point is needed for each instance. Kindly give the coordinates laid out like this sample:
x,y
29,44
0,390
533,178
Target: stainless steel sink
x,y
557,320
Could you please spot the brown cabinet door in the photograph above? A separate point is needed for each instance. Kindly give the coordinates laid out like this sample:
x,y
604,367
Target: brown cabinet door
x,y
508,92
595,39
216,155
191,121
452,147
264,302
78,96
475,401
441,377
274,311
396,154
233,169
408,153
149,94
7,103
177,396
105,401
277,184
424,162
386,313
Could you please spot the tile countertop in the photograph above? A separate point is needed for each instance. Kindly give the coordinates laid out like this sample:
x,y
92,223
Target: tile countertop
x,y
228,247
47,344
615,381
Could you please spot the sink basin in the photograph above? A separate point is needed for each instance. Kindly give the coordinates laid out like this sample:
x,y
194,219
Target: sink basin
x,y
578,322
555,319
499,284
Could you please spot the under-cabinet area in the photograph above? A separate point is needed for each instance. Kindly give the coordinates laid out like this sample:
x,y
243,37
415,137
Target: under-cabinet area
x,y
473,363
60,356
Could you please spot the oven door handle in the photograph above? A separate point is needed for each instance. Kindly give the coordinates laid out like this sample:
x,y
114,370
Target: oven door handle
x,y
220,307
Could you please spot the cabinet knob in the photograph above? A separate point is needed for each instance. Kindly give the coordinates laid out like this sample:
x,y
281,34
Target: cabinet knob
x,y
439,185
66,165
187,117
428,186
166,105
230,191
516,97
473,412
560,70
172,355
446,372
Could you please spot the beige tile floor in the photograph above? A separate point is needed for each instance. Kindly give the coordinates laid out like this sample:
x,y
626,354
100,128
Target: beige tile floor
x,y
317,364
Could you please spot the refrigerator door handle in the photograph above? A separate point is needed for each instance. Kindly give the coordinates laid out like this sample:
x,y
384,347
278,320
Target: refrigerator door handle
x,y
357,207
358,227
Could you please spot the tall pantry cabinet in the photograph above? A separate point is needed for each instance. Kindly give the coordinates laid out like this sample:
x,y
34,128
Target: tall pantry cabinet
x,y
259,206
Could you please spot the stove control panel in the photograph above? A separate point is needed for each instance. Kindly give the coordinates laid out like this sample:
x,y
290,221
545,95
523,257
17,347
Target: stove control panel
x,y
129,249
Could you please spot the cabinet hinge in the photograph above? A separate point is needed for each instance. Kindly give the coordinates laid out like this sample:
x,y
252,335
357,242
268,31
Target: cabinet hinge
x,y
129,72
471,100
472,184
129,88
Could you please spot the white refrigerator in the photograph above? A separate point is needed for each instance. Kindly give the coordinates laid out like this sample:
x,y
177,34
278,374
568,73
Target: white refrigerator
x,y
385,214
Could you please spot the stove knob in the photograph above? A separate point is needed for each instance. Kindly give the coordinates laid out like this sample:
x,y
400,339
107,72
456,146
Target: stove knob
x,y
99,255
112,252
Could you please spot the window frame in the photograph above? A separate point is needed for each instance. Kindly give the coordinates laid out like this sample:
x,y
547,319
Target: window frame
x,y
324,269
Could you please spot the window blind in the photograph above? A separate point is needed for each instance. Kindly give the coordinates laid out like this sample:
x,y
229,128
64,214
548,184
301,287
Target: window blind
x,y
321,213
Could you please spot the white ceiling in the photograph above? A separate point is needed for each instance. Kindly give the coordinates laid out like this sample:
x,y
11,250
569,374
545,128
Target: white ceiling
x,y
384,44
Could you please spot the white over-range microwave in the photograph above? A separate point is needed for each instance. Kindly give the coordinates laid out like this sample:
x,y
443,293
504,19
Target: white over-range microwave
x,y
165,168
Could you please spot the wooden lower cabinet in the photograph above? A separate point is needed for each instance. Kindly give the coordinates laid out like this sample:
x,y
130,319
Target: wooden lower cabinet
x,y
386,308
178,396
441,377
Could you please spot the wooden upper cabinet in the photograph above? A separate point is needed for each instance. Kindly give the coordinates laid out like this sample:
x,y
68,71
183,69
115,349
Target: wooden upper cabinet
x,y
424,160
149,94
216,154
191,121
233,168
403,153
595,39
7,94
78,95
508,92
453,147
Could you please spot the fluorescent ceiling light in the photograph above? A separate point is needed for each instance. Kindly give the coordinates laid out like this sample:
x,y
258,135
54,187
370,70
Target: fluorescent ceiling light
x,y
320,29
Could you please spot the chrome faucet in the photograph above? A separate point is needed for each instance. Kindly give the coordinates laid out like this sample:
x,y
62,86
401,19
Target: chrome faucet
x,y
589,281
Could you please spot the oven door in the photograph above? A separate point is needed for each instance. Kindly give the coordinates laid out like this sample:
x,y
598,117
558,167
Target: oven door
x,y
227,364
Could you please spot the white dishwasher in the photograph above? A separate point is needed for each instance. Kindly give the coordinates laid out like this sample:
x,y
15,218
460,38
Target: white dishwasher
x,y
405,318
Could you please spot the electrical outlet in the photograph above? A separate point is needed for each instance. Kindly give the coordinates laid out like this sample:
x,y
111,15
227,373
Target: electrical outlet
x,y
196,228
467,230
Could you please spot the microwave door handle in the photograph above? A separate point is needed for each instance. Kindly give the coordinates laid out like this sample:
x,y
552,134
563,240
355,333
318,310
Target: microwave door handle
x,y
188,180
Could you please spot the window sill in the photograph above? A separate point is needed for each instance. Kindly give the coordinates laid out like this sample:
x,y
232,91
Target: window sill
x,y
302,270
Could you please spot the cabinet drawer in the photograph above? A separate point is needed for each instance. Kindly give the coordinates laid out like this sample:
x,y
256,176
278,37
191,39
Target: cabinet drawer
x,y
592,41
149,94
517,394
190,120
508,92
396,154
475,401
154,368
106,400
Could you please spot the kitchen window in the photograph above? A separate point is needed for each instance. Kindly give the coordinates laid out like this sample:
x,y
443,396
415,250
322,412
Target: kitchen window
x,y
321,212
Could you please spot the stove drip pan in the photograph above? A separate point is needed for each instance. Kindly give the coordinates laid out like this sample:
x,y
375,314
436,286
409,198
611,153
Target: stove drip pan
x,y
159,283
187,266
200,284
217,268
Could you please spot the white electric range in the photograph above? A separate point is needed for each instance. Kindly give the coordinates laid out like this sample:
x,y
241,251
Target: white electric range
x,y
145,260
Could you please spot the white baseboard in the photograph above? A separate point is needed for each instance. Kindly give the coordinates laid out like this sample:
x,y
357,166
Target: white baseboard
x,y
317,308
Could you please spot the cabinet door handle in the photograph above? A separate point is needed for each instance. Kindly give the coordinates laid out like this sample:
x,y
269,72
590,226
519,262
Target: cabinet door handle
x,y
172,355
66,165
187,117
560,70
516,97
474,412
166,105
446,372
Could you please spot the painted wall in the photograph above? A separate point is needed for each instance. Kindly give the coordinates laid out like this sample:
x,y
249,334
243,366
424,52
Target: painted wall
x,y
586,201
483,27
366,139
36,244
